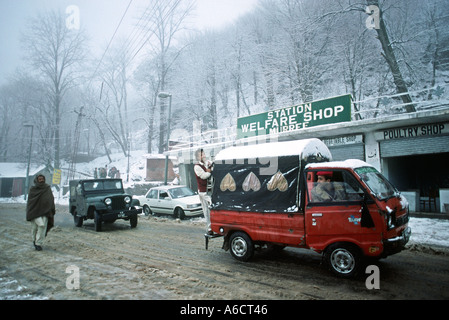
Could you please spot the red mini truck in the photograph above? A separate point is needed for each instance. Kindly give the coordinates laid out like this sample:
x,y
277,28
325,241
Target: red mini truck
x,y
273,195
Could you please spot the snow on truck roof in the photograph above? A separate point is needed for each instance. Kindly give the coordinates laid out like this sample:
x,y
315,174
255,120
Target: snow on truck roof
x,y
303,148
350,163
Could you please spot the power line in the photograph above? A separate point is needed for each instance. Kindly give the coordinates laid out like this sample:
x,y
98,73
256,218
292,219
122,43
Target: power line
x,y
113,36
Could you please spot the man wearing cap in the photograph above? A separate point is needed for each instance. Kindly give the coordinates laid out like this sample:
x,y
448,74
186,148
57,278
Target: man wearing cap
x,y
325,191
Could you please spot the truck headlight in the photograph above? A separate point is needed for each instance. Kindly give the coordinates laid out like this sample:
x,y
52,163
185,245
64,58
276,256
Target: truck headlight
x,y
127,199
108,201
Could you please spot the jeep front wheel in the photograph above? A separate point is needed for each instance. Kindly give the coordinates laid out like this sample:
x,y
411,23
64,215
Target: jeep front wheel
x,y
133,221
77,219
97,220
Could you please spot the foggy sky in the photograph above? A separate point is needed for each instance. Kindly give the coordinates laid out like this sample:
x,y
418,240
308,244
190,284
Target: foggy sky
x,y
100,19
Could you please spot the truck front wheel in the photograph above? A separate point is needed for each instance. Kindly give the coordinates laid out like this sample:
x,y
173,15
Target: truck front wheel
x,y
343,259
241,245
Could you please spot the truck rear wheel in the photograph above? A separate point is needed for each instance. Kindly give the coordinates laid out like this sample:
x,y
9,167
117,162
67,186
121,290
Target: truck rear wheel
x,y
343,259
241,245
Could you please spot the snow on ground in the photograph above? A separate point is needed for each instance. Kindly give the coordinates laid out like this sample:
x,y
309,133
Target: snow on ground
x,y
434,232
425,231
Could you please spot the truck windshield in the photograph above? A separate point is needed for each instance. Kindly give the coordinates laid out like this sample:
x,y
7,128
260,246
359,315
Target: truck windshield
x,y
378,184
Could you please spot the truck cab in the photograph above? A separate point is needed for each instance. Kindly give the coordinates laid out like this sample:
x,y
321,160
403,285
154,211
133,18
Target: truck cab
x,y
292,194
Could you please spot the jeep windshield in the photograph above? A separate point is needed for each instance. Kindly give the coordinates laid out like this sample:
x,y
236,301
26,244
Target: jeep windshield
x,y
103,185
376,182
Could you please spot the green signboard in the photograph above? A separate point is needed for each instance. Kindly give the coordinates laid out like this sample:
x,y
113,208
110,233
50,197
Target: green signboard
x,y
333,110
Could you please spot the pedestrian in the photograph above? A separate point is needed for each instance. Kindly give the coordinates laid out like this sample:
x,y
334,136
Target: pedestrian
x,y
103,172
40,210
203,173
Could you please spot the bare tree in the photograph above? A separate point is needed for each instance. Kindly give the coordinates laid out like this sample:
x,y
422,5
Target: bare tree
x,y
55,51
114,98
165,19
390,58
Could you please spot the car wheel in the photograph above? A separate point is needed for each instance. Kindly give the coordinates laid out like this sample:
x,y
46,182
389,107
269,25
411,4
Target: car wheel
x,y
241,246
147,210
343,259
97,220
77,219
133,221
179,213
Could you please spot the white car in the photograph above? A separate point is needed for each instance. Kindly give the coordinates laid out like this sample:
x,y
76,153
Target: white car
x,y
179,201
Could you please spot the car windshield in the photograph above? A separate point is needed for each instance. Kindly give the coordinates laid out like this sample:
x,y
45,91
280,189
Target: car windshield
x,y
102,185
377,183
181,192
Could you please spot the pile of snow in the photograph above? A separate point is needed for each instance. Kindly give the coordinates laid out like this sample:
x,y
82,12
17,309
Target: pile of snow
x,y
433,232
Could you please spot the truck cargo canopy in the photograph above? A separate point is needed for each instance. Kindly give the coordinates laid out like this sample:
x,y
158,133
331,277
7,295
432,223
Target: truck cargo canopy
x,y
264,177
302,148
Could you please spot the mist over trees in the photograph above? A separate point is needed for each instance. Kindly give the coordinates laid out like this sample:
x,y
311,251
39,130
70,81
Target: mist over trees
x,y
284,52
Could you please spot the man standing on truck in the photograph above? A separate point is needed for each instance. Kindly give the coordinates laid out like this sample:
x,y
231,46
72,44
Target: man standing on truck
x,y
203,171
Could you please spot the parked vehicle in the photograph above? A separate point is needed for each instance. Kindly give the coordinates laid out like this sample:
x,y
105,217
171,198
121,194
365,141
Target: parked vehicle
x,y
103,200
180,201
252,207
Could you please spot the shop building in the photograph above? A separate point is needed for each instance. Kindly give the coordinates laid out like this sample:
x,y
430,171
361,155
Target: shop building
x,y
411,150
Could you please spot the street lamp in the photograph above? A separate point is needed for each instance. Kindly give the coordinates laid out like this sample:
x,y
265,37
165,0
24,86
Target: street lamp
x,y
29,162
164,95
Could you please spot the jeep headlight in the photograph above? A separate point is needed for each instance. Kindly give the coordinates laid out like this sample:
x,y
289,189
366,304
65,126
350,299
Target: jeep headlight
x,y
108,201
127,199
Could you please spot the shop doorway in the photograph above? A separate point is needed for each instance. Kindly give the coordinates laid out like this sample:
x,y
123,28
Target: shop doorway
x,y
425,174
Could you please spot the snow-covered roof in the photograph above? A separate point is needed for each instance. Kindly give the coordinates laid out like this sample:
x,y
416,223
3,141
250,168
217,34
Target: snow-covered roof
x,y
302,148
350,163
17,170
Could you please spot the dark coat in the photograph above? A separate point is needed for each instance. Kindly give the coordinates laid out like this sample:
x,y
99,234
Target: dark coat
x,y
40,202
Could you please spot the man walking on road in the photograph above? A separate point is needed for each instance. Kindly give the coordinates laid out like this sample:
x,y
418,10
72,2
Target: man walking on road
x,y
40,210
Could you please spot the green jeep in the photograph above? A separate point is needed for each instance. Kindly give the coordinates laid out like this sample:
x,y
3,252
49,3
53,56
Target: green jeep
x,y
103,200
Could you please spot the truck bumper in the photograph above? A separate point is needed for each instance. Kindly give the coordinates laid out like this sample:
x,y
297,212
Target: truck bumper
x,y
397,244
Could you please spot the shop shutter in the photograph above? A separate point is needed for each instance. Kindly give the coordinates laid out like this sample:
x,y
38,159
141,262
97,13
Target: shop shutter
x,y
341,153
415,146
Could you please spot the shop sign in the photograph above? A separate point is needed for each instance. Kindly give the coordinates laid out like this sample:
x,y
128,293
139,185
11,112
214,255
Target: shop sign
x,y
342,141
413,131
332,110
56,176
